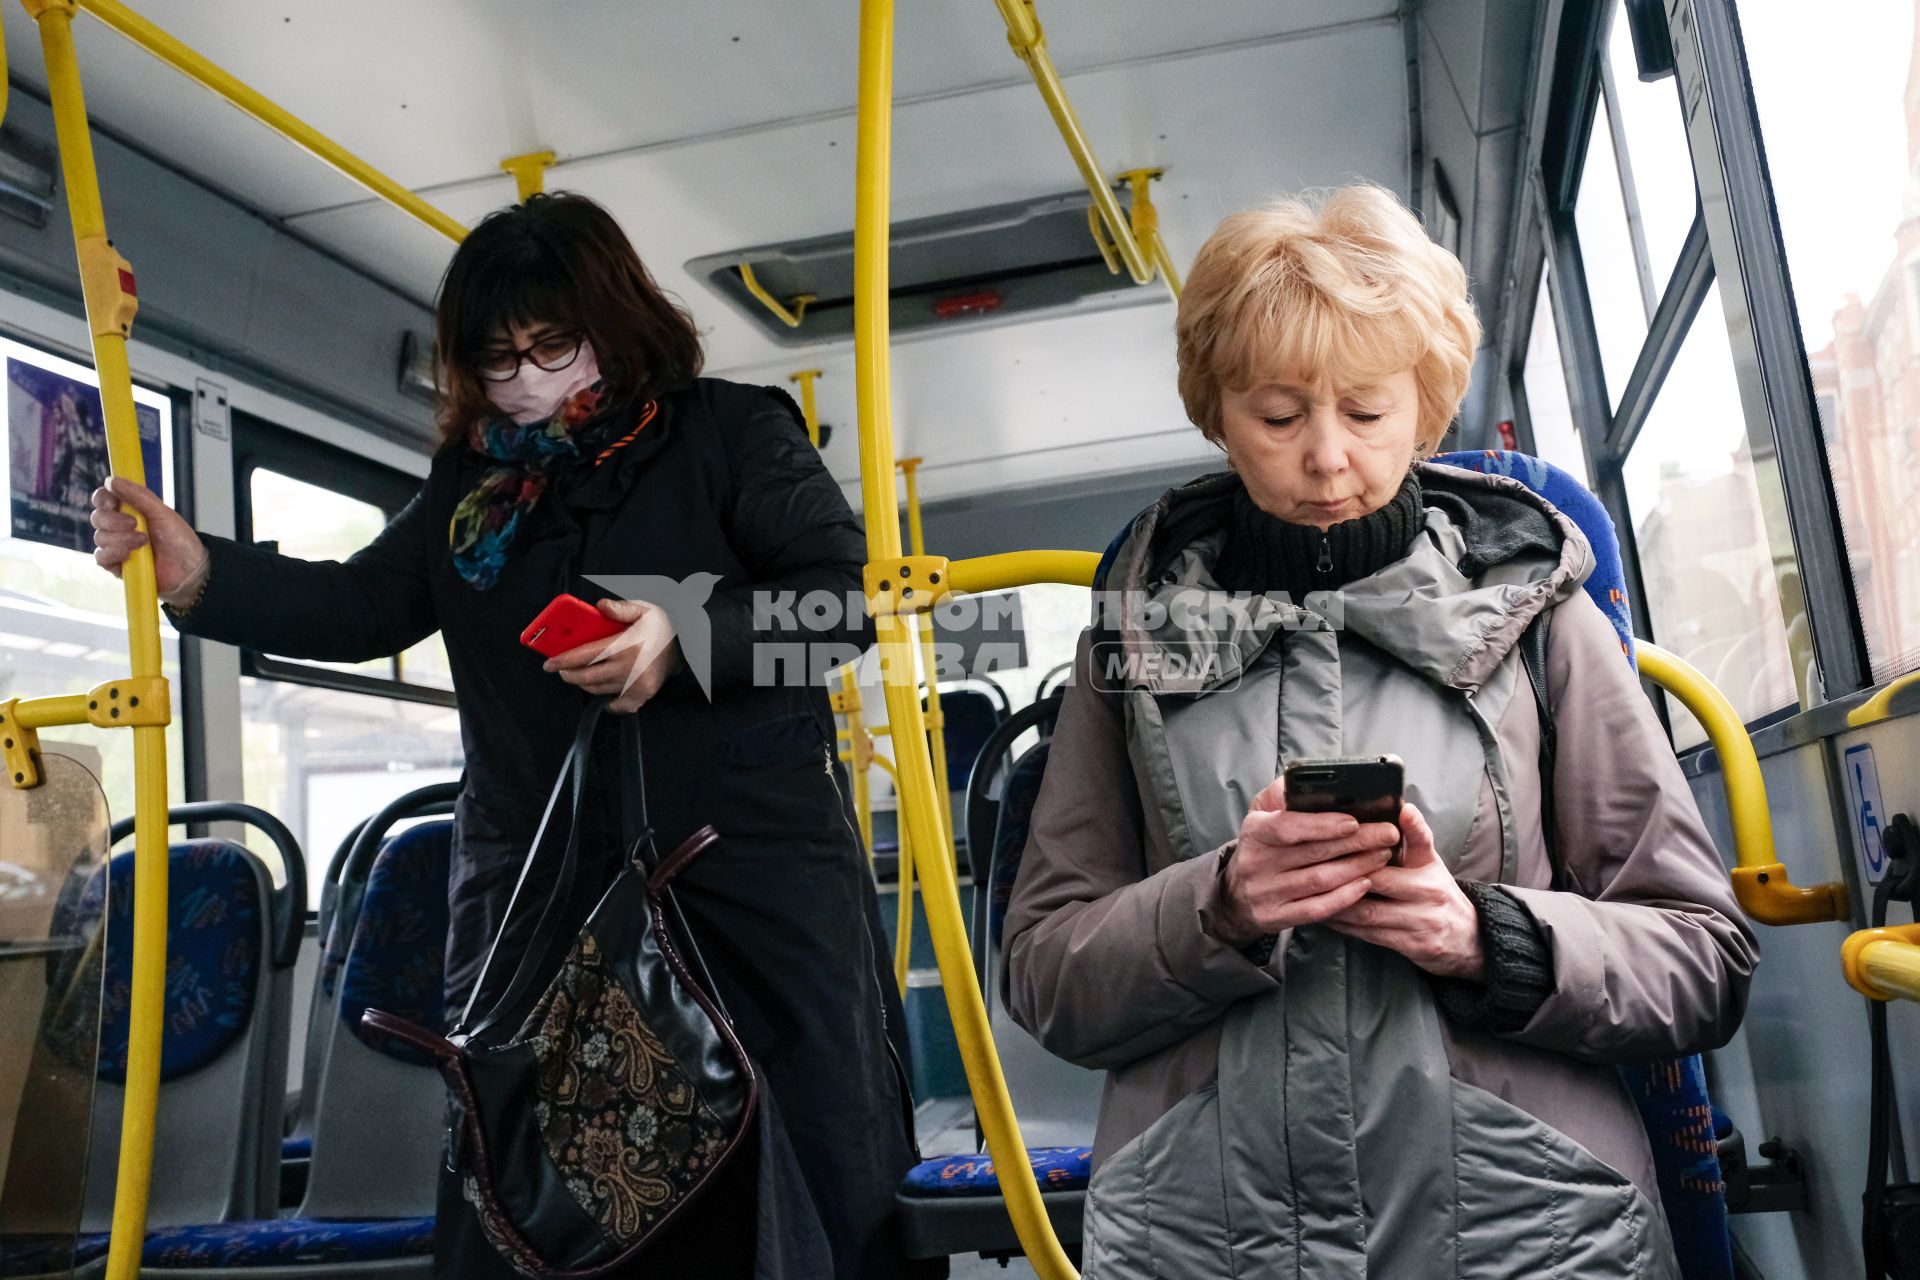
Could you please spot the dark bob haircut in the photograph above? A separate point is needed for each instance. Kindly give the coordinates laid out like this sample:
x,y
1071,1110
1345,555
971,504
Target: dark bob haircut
x,y
556,259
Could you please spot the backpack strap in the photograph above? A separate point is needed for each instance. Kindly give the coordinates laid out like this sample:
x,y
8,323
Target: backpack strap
x,y
1533,656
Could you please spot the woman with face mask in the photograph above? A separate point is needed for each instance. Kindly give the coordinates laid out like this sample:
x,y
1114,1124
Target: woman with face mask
x,y
579,443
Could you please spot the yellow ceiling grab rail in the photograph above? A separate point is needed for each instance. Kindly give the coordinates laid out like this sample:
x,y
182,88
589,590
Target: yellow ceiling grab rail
x,y
1760,881
1884,964
1135,240
790,318
141,701
267,112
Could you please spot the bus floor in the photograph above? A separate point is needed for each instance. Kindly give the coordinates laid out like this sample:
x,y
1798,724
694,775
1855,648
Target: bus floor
x,y
946,1125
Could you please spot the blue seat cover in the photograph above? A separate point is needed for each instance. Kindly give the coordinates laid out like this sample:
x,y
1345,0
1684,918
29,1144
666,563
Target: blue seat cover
x,y
287,1242
971,715
1055,1168
1672,1096
397,960
213,956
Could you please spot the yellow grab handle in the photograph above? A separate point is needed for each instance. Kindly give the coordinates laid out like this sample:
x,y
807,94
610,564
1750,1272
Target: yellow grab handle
x,y
1884,964
1760,881
1880,705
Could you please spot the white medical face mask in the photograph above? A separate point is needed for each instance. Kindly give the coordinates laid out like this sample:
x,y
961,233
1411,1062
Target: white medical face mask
x,y
534,394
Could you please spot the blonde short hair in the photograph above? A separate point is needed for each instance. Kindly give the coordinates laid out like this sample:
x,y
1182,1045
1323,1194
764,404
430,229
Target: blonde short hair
x,y
1345,286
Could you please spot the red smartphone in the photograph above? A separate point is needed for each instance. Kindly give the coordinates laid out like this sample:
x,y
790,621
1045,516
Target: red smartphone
x,y
567,623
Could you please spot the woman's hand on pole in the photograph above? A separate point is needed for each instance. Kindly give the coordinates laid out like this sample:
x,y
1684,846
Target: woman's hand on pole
x,y
1418,909
1293,869
629,667
179,557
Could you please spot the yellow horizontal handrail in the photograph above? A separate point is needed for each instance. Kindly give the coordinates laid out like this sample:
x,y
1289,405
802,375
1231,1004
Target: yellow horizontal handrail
x,y
1884,964
269,113
1760,881
1022,569
792,318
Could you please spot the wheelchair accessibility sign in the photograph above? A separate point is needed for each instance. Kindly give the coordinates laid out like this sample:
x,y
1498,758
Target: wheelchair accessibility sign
x,y
1869,815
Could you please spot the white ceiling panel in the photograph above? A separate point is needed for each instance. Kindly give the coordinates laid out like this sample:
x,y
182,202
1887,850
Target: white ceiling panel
x,y
700,142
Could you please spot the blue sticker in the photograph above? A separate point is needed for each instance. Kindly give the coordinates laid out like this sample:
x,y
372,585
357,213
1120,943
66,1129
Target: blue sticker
x,y
1869,816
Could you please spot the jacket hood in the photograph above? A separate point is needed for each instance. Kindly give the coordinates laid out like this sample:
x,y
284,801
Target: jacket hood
x,y
1490,557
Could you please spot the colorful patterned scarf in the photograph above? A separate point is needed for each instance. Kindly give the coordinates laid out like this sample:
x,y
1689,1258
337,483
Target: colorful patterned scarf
x,y
526,456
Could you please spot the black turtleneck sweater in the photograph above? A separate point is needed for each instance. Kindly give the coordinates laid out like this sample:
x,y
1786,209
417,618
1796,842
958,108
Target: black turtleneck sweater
x,y
1265,553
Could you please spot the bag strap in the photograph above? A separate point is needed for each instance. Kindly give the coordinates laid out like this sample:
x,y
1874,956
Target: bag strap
x,y
573,778
1533,656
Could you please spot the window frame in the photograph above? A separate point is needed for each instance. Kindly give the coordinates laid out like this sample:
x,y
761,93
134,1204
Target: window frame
x,y
261,445
1734,238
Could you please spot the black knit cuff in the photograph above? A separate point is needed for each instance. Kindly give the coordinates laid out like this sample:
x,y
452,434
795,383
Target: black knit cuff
x,y
1260,950
1519,967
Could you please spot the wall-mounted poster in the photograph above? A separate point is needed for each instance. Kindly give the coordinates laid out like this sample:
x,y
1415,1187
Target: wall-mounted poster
x,y
57,447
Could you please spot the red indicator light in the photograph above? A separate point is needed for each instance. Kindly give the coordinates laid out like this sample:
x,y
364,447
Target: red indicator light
x,y
968,304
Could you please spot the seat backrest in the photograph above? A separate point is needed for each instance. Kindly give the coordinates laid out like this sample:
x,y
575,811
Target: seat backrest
x,y
378,1114
971,716
1672,1096
223,1057
1058,1103
1607,584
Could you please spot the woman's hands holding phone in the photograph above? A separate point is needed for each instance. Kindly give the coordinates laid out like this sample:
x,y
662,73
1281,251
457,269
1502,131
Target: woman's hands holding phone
x,y
1418,909
1293,869
630,666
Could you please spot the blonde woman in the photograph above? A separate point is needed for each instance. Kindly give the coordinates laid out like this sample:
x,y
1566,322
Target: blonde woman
x,y
1322,1063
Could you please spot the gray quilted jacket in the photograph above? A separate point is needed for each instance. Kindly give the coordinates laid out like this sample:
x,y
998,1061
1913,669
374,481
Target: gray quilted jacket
x,y
1317,1115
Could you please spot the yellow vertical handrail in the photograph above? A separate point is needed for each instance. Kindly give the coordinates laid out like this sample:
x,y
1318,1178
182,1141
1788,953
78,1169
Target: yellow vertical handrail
x,y
177,55
859,755
809,406
930,667
107,290
914,764
903,908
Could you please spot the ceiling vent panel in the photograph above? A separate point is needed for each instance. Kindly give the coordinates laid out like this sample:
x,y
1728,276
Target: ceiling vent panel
x,y
957,269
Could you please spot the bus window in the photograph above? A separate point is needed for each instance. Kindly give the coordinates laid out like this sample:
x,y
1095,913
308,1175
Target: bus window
x,y
1839,107
1555,435
1620,309
63,623
326,744
1662,194
1710,586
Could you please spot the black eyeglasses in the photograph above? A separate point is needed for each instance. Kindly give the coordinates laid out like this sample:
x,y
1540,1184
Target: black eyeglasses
x,y
498,364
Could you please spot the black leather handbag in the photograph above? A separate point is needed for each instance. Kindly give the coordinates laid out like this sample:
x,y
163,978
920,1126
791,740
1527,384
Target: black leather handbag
x,y
604,1088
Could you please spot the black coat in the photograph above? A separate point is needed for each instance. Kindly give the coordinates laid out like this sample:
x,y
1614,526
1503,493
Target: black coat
x,y
722,481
